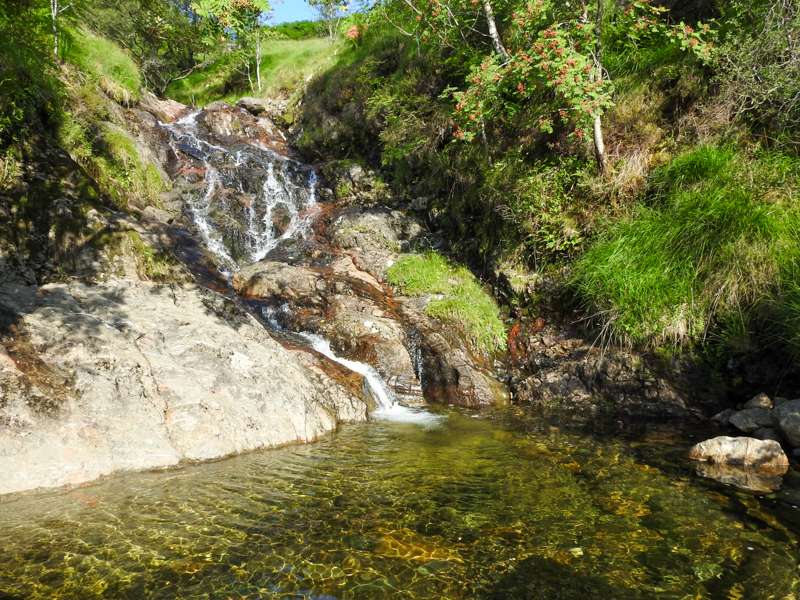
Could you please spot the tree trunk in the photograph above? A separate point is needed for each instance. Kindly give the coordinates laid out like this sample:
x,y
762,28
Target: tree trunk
x,y
258,60
496,41
599,142
54,22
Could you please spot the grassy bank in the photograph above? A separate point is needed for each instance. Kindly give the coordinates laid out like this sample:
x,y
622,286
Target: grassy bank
x,y
285,67
713,246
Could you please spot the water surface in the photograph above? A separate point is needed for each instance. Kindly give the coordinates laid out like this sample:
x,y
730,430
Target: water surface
x,y
468,508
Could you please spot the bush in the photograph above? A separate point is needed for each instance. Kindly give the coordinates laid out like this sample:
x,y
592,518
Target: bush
x,y
714,245
760,64
459,298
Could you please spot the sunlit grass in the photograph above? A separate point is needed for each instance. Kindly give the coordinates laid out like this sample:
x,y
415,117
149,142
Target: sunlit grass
x,y
285,66
717,238
459,298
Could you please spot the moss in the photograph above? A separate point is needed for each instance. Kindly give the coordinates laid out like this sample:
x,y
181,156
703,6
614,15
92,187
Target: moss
x,y
119,168
459,298
151,264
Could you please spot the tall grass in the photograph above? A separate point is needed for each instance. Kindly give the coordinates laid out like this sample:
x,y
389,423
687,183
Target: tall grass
x,y
716,242
106,63
459,299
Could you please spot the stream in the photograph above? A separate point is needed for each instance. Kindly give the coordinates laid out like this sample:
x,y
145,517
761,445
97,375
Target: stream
x,y
418,503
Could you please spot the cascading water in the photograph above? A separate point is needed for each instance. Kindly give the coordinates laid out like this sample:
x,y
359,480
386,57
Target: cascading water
x,y
253,199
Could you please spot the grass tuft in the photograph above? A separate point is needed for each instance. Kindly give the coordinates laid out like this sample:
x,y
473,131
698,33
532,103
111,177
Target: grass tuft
x,y
461,300
716,243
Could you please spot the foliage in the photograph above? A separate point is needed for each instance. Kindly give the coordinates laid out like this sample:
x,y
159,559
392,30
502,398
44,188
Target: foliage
x,y
29,88
713,245
160,36
298,30
458,298
760,64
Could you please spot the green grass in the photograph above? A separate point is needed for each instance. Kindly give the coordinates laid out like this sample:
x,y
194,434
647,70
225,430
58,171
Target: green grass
x,y
462,302
714,245
106,63
285,66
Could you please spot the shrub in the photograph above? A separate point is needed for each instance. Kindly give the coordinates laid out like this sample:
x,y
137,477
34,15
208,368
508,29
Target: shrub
x,y
458,297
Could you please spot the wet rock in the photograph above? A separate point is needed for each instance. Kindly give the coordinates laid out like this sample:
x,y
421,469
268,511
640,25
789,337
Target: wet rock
x,y
767,433
279,282
165,110
765,455
788,417
233,125
150,376
750,419
724,417
556,371
759,401
281,219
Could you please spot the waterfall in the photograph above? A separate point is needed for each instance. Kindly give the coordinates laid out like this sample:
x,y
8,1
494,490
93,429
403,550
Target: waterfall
x,y
240,228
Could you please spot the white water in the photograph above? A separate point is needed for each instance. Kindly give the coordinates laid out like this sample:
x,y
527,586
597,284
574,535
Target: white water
x,y
388,408
285,185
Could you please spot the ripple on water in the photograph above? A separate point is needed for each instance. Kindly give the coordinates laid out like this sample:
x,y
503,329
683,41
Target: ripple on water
x,y
465,509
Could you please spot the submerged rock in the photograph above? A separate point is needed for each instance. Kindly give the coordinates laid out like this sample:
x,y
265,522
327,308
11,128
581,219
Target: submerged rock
x,y
766,456
740,477
132,376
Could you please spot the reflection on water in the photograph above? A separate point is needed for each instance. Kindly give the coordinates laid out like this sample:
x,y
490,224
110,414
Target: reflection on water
x,y
469,509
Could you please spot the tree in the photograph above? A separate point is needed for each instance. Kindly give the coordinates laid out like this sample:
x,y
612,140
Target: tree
x,y
332,12
241,20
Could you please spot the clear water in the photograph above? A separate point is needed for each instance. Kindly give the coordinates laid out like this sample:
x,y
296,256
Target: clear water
x,y
471,508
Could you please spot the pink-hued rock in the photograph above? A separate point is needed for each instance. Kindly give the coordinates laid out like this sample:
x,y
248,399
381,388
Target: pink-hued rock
x,y
764,455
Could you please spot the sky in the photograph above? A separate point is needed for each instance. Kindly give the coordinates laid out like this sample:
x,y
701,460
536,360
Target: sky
x,y
291,10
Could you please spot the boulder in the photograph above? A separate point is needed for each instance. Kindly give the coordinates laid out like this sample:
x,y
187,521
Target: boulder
x,y
750,419
254,106
132,376
788,417
165,110
759,401
378,235
767,456
723,417
767,433
279,282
